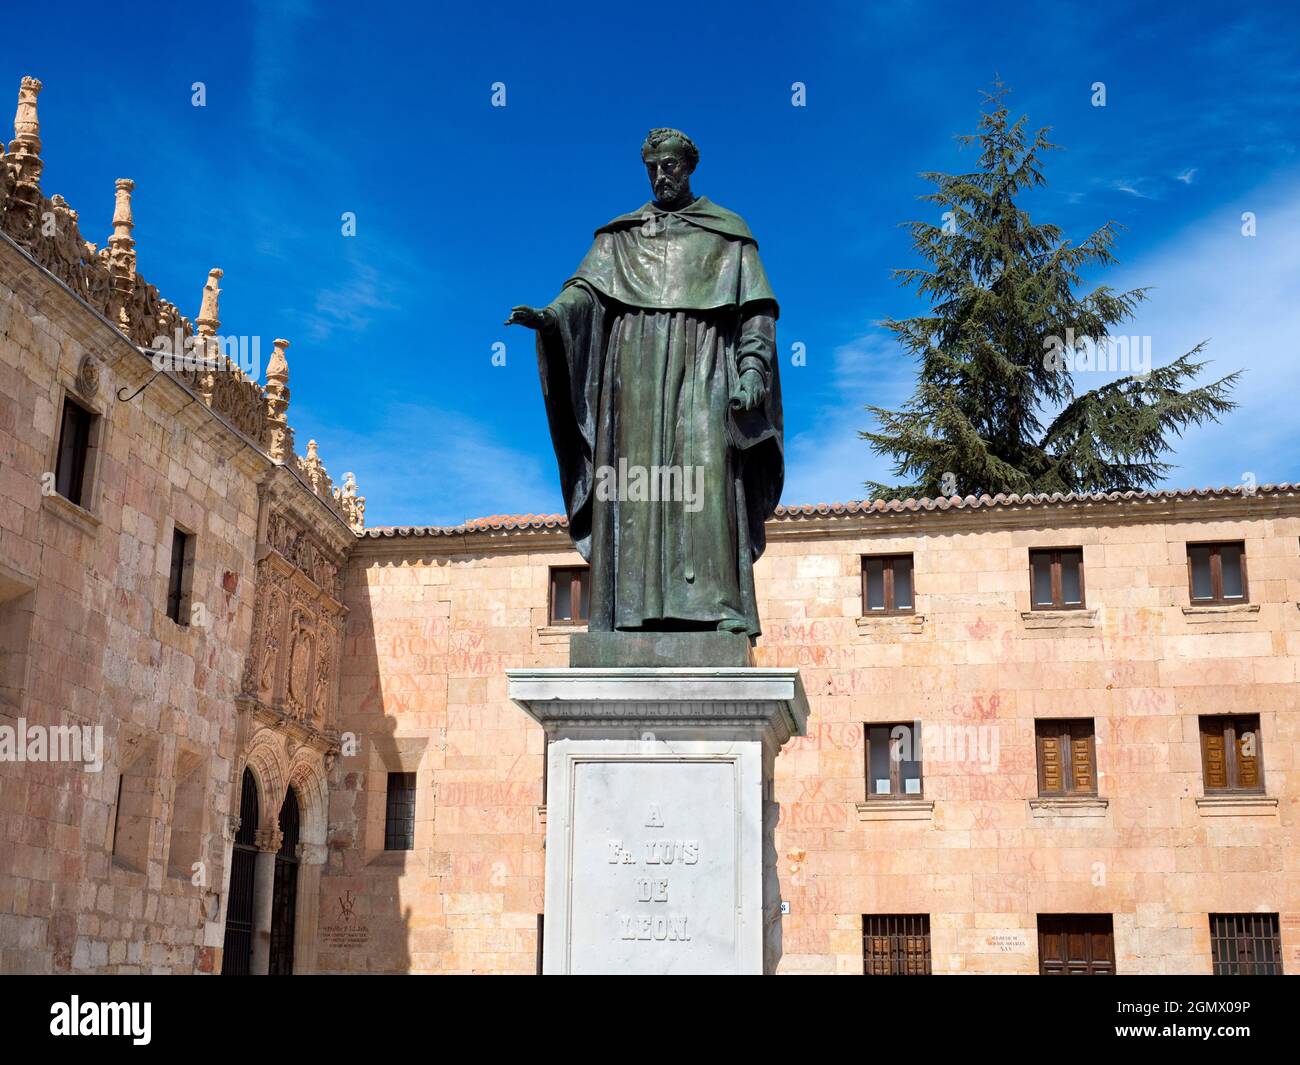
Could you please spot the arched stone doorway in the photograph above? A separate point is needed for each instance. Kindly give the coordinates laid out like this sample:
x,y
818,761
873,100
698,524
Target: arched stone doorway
x,y
284,897
237,955
275,863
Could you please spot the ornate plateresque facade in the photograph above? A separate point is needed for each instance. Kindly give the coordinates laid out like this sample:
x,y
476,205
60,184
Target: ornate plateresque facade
x,y
129,869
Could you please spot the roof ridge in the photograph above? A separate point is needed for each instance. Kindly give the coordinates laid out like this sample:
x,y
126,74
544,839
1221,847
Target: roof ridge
x,y
796,511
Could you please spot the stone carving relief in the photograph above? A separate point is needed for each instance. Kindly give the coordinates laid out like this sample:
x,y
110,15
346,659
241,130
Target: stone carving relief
x,y
300,687
231,394
271,647
88,376
293,661
344,500
320,699
303,552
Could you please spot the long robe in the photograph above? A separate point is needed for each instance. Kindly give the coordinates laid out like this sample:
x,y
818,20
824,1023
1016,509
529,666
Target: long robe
x,y
639,361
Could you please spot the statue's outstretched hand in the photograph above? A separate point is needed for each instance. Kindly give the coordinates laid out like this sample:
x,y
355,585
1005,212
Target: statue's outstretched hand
x,y
525,315
750,391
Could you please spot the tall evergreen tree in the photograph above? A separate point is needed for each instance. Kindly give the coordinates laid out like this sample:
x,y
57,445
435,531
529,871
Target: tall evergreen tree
x,y
995,357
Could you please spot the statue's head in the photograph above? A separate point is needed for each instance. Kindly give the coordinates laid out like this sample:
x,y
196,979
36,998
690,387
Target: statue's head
x,y
670,156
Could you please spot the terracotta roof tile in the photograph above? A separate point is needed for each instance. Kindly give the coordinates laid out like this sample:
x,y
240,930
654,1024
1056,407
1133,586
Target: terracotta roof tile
x,y
519,522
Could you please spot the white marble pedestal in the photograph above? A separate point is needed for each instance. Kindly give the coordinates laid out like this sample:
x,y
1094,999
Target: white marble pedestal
x,y
660,815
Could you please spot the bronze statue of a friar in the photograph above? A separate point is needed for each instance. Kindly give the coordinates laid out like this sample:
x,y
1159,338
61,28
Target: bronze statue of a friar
x,y
659,371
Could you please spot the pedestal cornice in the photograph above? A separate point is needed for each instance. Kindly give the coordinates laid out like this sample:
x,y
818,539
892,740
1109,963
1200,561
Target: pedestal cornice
x,y
770,699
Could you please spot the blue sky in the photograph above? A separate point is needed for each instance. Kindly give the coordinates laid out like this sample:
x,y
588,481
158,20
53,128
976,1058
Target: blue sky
x,y
464,209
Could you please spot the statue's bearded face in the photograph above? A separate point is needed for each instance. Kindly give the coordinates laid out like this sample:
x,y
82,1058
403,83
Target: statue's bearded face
x,y
668,167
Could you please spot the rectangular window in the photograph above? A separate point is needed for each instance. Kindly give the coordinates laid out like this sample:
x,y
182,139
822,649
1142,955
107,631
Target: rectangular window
x,y
1231,760
399,815
133,815
1067,757
1216,573
570,595
185,847
1076,944
1056,578
896,944
893,761
887,584
74,451
1245,944
178,577
17,612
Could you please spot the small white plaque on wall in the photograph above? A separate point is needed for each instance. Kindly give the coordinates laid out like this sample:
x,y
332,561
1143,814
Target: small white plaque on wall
x,y
1006,941
655,859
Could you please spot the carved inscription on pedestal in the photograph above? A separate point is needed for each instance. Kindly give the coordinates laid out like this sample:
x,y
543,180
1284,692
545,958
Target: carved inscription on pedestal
x,y
654,867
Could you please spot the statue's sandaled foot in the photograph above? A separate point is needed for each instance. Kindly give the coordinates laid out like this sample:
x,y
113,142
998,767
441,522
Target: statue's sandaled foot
x,y
734,625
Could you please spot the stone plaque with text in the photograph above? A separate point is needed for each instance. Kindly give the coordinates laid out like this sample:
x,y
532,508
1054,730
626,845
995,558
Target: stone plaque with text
x,y
654,867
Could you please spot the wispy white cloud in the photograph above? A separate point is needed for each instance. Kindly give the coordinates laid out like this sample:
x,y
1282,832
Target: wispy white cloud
x,y
279,61
1139,187
1186,176
350,305
1212,283
422,464
826,460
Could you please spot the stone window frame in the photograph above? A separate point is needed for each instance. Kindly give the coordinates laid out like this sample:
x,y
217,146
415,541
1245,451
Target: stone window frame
x,y
189,780
1216,597
399,828
17,614
180,580
403,753
580,578
896,944
1097,932
96,445
1225,725
1063,730
888,559
896,792
136,791
1058,595
1230,932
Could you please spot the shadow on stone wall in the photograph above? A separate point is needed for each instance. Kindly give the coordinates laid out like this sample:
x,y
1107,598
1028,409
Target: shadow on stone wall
x,y
365,924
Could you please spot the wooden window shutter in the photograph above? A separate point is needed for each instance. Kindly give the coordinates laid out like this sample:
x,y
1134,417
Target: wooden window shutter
x,y
918,956
1076,945
1247,738
878,956
1082,759
1051,779
1212,747
1067,757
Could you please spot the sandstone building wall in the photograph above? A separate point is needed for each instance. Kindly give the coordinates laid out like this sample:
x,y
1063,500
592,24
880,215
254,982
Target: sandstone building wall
x,y
437,616
126,868
88,642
